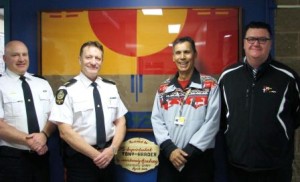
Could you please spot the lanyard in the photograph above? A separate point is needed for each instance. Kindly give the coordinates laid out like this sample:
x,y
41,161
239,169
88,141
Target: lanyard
x,y
183,101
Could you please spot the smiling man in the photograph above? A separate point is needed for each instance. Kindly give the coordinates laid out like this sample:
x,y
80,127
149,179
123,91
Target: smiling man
x,y
185,119
90,118
25,104
260,111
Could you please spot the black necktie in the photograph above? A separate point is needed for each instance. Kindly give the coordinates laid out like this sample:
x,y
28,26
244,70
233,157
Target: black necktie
x,y
33,125
100,128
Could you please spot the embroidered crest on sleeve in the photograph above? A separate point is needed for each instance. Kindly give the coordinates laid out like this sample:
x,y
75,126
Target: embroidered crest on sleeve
x,y
60,96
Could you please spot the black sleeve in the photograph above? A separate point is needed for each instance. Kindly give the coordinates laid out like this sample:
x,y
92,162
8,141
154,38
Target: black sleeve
x,y
167,147
191,150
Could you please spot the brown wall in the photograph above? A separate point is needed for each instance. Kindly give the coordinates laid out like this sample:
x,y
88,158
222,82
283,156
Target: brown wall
x,y
287,50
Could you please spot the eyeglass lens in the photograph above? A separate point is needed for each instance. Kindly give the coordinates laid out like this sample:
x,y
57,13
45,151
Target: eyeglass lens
x,y
261,40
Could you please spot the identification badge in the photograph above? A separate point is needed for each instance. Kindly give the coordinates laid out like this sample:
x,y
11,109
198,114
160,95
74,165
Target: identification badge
x,y
179,120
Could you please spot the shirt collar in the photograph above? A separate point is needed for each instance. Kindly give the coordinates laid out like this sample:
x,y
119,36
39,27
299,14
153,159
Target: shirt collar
x,y
195,82
87,82
261,67
15,76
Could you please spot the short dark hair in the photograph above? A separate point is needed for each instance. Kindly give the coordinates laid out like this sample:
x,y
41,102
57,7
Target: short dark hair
x,y
258,24
93,44
185,39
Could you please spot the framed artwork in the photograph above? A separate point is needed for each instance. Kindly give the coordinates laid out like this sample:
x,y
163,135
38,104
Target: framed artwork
x,y
137,48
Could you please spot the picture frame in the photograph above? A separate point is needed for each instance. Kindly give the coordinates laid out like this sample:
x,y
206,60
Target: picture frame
x,y
137,48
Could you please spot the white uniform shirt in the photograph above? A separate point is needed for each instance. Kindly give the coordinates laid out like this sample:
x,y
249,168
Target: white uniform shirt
x,y
78,110
12,105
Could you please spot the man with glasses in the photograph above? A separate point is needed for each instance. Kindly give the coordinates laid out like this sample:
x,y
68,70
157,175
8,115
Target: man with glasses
x,y
260,111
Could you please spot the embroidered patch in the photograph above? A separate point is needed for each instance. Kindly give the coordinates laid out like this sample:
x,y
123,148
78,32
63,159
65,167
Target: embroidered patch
x,y
267,89
60,96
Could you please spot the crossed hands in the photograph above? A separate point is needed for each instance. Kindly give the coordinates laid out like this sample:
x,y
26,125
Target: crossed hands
x,y
104,158
178,159
37,142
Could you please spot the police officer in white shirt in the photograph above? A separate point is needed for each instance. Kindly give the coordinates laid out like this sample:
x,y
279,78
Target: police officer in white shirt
x,y
74,113
23,154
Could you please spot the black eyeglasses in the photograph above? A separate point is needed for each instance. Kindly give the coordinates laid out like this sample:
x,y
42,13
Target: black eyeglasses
x,y
260,40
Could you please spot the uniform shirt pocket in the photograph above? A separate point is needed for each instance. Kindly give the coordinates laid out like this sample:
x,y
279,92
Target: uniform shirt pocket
x,y
45,102
13,104
83,112
112,107
112,102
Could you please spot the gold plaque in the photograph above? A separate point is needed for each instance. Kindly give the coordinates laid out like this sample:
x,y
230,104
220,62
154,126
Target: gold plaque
x,y
138,155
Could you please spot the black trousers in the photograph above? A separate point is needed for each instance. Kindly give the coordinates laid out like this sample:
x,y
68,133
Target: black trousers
x,y
279,175
198,169
80,168
23,166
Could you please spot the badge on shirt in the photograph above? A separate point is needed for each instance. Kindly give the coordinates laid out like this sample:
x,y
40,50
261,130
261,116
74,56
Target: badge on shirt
x,y
179,120
60,96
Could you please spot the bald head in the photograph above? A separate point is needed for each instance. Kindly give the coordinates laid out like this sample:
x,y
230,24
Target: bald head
x,y
16,57
10,46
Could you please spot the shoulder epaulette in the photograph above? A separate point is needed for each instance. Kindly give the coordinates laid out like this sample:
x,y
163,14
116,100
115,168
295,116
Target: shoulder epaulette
x,y
70,82
108,81
39,76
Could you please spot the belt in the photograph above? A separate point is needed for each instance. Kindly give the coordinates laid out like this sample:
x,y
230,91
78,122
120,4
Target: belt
x,y
14,152
69,151
107,144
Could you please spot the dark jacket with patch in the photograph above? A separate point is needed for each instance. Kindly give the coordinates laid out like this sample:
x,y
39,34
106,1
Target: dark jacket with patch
x,y
260,115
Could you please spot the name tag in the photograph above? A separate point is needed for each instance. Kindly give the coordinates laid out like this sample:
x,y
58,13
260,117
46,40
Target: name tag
x,y
179,120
